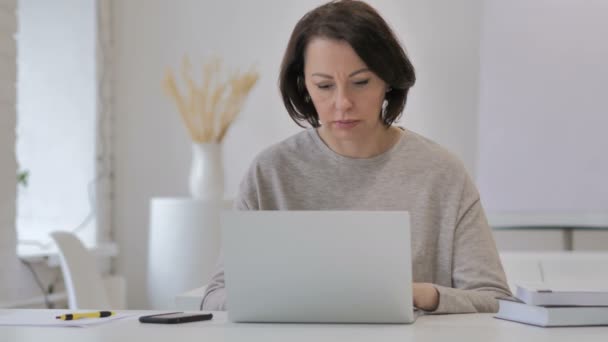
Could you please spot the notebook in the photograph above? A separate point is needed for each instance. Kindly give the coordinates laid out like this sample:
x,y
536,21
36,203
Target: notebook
x,y
563,295
552,316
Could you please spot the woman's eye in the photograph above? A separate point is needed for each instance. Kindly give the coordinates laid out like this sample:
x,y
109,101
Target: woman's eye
x,y
324,86
362,82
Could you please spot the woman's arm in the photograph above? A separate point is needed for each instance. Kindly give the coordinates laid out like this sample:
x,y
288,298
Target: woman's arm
x,y
426,296
477,274
215,294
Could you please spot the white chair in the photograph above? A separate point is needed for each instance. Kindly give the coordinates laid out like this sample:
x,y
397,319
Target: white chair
x,y
85,287
574,269
584,267
521,267
190,300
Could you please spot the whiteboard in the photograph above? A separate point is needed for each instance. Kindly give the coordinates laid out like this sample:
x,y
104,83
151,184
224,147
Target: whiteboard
x,y
543,112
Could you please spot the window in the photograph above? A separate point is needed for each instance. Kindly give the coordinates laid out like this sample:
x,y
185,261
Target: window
x,y
59,121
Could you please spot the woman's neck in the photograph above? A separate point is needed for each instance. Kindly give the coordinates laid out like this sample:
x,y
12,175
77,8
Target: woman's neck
x,y
380,141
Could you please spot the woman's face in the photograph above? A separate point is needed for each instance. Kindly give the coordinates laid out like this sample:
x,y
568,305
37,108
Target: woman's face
x,y
347,96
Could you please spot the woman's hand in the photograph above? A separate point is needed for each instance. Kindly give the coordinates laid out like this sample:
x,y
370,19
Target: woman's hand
x,y
426,296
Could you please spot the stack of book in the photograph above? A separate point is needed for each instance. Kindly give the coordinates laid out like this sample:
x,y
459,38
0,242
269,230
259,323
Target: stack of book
x,y
552,306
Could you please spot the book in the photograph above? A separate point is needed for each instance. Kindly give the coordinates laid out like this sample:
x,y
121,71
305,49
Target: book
x,y
552,316
562,295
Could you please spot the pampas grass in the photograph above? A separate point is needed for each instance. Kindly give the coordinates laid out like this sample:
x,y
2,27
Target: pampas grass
x,y
208,110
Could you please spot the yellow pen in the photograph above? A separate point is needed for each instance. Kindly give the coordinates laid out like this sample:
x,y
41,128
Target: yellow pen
x,y
79,315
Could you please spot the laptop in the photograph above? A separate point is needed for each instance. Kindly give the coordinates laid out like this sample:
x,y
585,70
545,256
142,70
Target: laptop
x,y
318,266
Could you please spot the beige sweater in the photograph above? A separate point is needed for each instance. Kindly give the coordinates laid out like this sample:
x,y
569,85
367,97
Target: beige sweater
x,y
452,244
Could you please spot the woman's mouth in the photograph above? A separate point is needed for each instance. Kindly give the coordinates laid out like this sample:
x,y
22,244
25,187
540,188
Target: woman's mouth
x,y
346,124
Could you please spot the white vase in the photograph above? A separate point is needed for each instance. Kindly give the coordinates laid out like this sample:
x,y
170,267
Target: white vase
x,y
207,171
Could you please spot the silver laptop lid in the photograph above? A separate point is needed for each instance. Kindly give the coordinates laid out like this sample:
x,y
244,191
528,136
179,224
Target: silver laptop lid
x,y
318,266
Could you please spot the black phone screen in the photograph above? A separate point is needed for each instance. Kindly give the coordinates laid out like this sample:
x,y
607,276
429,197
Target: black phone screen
x,y
175,317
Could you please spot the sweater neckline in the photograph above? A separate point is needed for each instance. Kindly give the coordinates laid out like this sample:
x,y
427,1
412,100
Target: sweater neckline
x,y
326,150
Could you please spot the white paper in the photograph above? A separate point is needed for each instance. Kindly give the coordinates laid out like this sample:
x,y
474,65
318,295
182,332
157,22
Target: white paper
x,y
46,318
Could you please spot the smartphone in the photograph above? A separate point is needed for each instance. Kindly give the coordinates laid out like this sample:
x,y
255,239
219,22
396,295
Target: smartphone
x,y
175,318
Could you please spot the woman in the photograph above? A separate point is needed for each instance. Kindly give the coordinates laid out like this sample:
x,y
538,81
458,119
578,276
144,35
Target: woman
x,y
345,74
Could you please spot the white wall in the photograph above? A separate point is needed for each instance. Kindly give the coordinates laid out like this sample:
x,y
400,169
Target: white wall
x,y
442,38
543,112
152,151
542,140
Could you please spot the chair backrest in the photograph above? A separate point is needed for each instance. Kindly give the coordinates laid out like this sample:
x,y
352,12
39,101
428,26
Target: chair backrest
x,y
521,267
583,267
560,267
83,282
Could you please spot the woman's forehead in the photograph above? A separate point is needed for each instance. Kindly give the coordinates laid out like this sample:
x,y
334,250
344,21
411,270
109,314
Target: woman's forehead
x,y
324,55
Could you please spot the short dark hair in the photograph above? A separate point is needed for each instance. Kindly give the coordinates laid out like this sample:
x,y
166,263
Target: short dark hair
x,y
360,25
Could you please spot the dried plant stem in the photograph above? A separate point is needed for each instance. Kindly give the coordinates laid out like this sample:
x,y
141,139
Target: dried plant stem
x,y
171,89
208,111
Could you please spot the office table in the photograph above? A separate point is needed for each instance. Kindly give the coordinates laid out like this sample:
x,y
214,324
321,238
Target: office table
x,y
471,327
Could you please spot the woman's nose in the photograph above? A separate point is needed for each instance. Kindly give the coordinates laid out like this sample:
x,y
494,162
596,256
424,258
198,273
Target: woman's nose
x,y
343,100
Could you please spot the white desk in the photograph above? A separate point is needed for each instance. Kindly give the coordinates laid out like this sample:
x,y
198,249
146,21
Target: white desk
x,y
474,327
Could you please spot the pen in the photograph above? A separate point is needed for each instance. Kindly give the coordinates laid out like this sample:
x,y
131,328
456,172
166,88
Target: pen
x,y
79,315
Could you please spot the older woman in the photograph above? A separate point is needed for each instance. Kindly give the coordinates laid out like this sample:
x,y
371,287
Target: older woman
x,y
345,74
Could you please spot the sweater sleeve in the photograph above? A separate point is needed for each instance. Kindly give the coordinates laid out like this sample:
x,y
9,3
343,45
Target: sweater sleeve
x,y
215,293
477,274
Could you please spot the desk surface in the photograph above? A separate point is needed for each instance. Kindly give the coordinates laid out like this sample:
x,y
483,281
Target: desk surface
x,y
473,327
